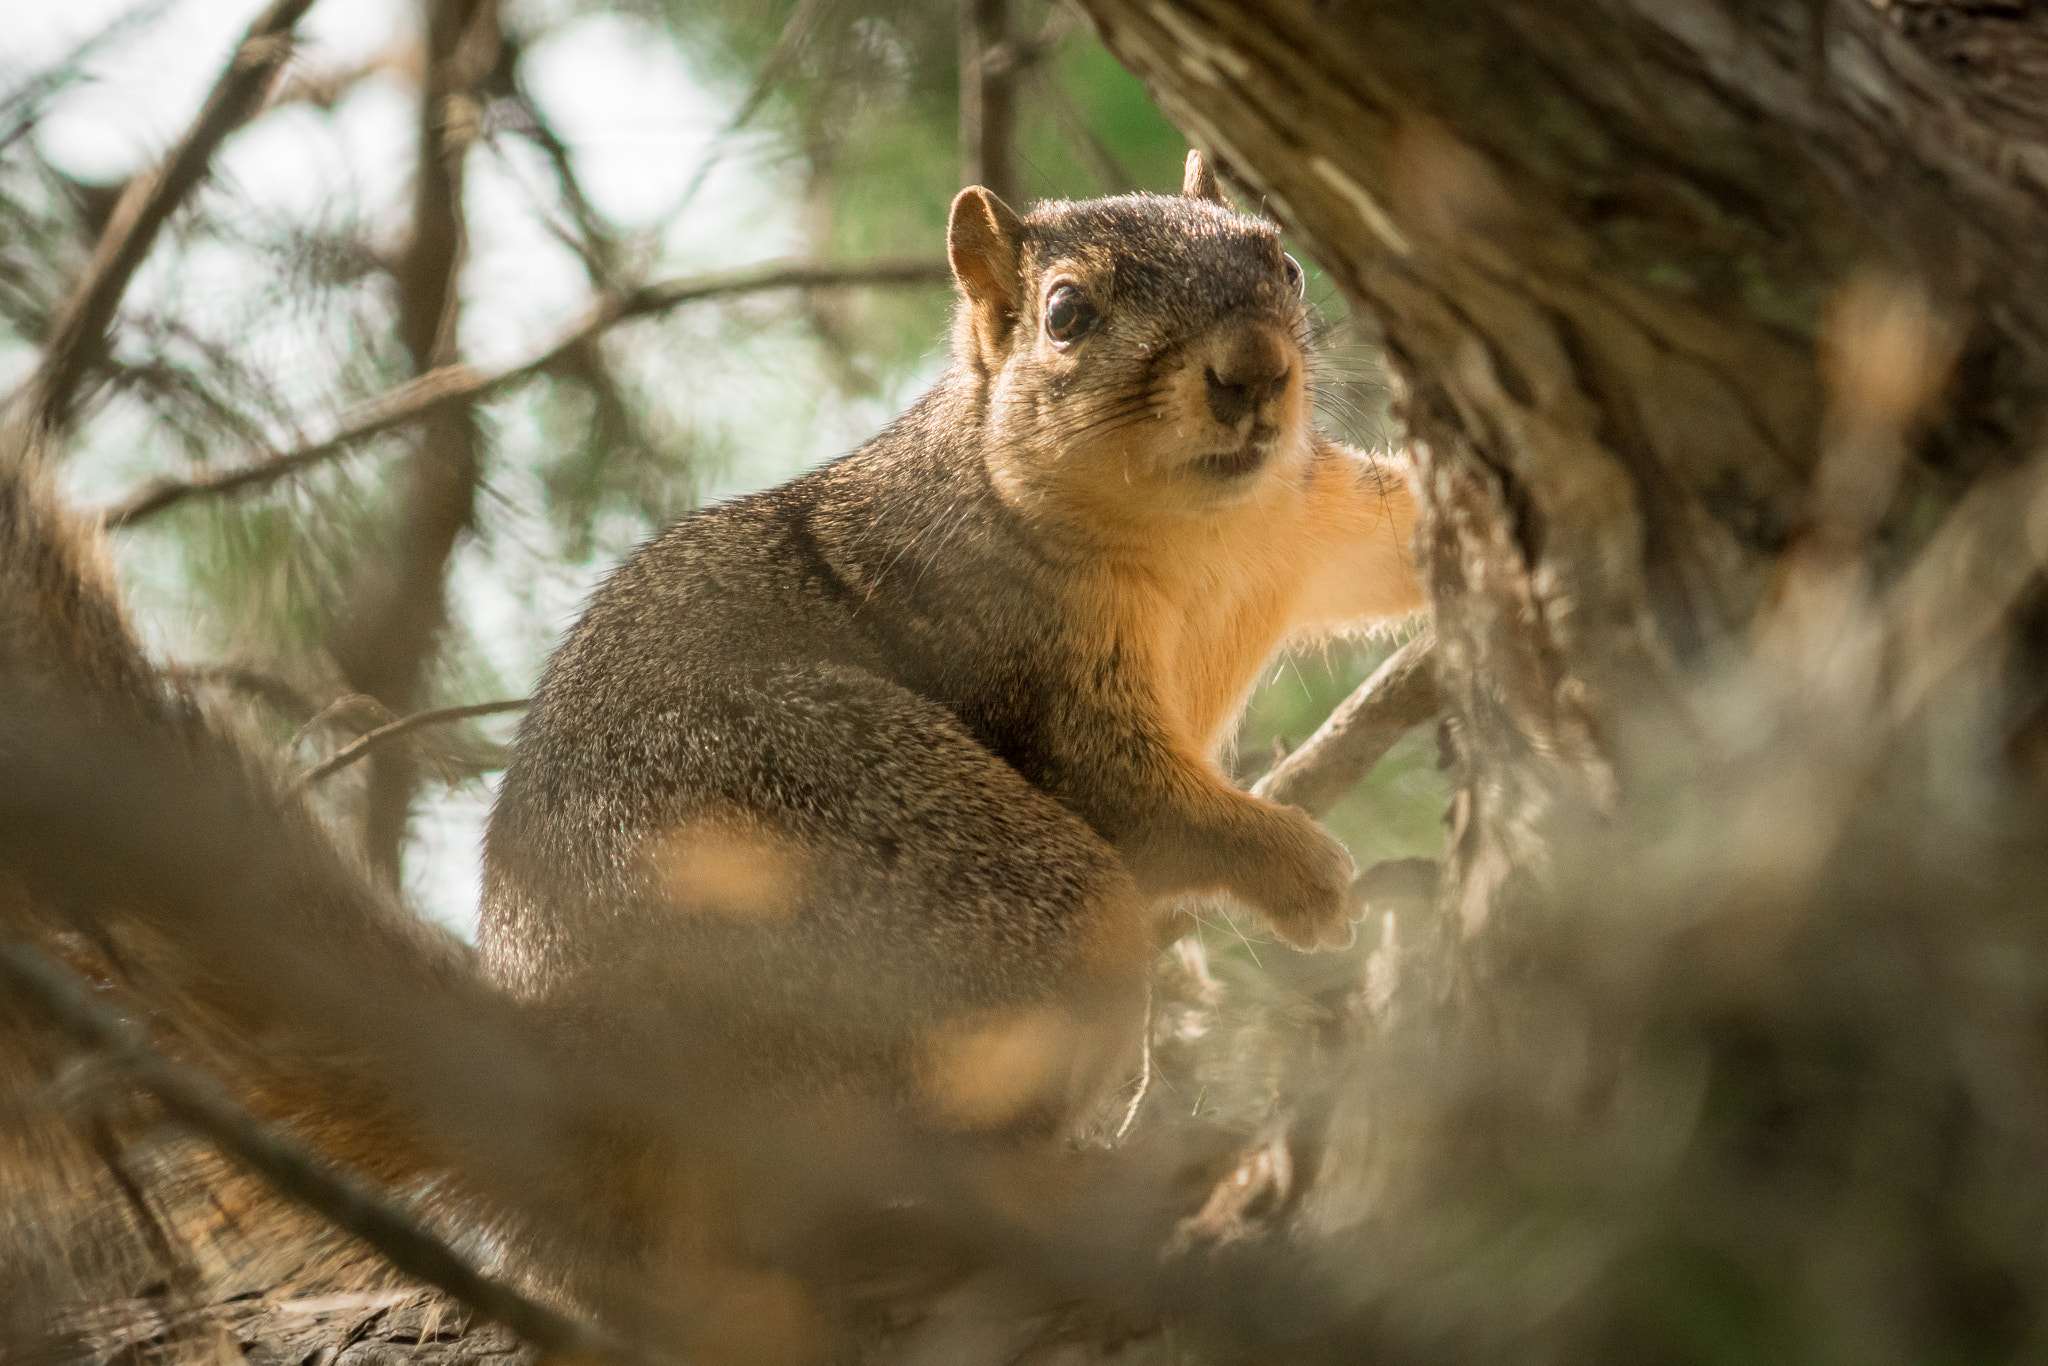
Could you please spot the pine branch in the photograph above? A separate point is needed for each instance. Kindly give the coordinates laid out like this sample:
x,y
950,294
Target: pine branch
x,y
363,744
453,385
78,338
789,44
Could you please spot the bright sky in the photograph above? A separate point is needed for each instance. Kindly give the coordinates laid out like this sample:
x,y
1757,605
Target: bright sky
x,y
638,120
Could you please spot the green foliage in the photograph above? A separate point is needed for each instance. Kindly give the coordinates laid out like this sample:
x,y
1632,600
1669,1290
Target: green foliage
x,y
257,324
868,109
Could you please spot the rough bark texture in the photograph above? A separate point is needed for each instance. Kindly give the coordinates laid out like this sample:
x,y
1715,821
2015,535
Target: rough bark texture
x,y
362,1328
1603,239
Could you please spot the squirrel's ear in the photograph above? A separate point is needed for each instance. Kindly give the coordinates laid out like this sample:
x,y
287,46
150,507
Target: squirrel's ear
x,y
1198,181
982,241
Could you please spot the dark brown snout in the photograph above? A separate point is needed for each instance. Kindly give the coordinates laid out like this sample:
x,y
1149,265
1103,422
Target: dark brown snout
x,y
1253,373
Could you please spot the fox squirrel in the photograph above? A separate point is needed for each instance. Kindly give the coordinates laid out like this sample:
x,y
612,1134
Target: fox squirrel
x,y
874,784
882,775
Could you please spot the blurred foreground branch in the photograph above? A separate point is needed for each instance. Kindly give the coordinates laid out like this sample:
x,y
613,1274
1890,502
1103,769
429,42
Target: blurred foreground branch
x,y
252,682
200,1103
78,337
1964,584
454,385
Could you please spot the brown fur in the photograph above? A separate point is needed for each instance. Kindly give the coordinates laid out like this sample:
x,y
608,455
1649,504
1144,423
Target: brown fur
x,y
870,787
964,688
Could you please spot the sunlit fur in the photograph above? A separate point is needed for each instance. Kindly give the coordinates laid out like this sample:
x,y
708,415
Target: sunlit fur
x,y
1100,443
962,688
868,787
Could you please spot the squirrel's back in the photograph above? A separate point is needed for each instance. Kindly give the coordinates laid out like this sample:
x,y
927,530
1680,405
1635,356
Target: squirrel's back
x,y
873,784
881,775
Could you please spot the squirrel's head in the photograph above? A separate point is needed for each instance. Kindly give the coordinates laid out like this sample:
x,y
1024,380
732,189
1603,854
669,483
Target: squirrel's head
x,y
1135,356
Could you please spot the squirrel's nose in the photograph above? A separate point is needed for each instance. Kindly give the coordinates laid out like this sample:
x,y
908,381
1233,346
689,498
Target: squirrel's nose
x,y
1244,389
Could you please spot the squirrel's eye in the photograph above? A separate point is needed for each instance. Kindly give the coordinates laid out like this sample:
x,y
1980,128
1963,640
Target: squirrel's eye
x,y
1294,275
1068,314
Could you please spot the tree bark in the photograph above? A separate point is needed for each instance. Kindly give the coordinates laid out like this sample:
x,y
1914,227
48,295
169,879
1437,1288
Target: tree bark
x,y
1607,241
402,607
988,97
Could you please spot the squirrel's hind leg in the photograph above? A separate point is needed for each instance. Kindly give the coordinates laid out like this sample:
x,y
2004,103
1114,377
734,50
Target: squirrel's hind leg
x,y
850,889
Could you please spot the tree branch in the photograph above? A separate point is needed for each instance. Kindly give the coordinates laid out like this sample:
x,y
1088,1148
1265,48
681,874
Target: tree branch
x,y
988,97
78,337
399,602
363,744
204,1106
1400,695
453,385
326,89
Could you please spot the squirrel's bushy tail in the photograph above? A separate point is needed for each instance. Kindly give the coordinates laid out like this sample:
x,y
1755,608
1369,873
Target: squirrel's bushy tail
x,y
164,856
161,855
63,632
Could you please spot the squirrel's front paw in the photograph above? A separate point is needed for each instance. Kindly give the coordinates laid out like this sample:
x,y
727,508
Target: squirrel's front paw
x,y
1301,879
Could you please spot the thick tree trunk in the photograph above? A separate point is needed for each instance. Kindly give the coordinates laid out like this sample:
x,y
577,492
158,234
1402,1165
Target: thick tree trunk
x,y
1605,239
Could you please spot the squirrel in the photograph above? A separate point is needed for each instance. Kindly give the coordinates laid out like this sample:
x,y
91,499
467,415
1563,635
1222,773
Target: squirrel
x,y
883,776
881,783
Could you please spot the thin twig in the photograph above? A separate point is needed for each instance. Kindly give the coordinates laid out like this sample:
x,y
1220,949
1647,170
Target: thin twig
x,y
359,703
1144,1073
78,338
803,21
363,744
326,89
1400,695
454,385
594,238
1110,174
203,1105
395,407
